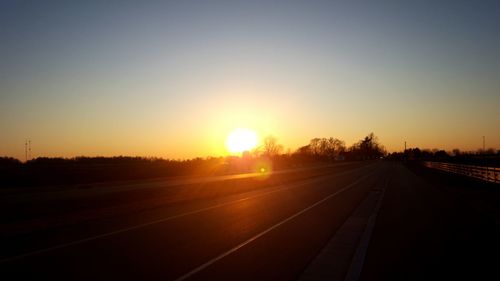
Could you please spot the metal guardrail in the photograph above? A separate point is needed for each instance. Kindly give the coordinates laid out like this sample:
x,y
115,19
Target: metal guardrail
x,y
490,174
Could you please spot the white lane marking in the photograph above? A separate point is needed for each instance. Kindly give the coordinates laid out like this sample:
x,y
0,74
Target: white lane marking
x,y
221,256
276,189
358,260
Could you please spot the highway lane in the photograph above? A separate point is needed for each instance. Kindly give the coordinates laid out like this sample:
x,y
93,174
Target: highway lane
x,y
59,217
35,203
283,228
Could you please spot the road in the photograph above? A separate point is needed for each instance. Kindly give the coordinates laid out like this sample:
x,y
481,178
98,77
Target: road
x,y
433,225
231,229
430,225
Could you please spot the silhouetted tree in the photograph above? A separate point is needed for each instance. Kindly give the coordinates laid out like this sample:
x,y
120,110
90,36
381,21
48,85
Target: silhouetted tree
x,y
9,161
335,147
270,147
441,155
321,149
306,149
315,146
367,148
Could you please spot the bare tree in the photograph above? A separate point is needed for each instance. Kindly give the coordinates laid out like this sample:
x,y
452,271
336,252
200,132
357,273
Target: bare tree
x,y
326,148
271,147
315,146
367,148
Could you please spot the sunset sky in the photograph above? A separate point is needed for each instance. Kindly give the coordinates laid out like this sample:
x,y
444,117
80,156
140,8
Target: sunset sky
x,y
173,78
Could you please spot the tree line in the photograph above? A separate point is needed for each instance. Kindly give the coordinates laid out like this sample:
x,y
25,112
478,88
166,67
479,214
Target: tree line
x,y
488,157
53,171
328,149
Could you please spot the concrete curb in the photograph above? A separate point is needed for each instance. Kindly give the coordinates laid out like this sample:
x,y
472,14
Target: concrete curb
x,y
343,257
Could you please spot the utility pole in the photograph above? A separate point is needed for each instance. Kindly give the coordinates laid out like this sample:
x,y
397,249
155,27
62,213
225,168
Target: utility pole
x,y
484,144
26,150
405,145
29,149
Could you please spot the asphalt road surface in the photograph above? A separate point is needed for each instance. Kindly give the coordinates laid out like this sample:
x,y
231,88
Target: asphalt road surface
x,y
234,228
210,230
433,225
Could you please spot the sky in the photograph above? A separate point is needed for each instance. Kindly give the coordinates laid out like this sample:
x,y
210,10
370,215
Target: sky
x,y
172,79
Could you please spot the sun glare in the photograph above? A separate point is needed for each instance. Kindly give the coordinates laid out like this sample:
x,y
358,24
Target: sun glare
x,y
240,140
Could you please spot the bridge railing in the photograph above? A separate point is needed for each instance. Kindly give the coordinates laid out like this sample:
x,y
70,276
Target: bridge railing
x,y
490,174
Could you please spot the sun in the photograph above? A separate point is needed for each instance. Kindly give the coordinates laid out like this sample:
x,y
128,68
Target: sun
x,y
240,140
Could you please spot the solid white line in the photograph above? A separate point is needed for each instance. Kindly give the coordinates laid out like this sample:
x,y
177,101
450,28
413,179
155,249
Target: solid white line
x,y
221,256
276,189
